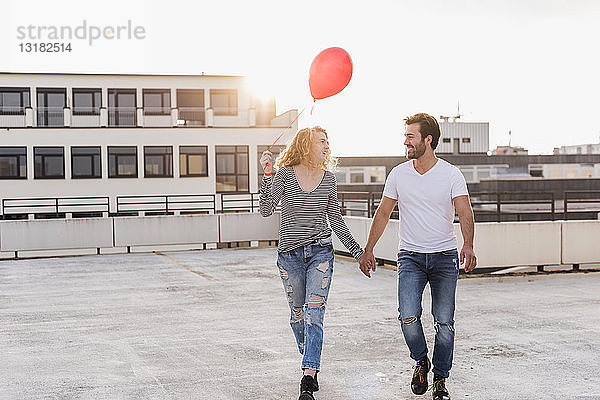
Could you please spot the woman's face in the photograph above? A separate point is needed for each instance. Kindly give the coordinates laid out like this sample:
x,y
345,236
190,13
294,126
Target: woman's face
x,y
319,148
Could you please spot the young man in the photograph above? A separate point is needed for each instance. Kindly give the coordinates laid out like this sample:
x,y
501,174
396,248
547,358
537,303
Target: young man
x,y
427,190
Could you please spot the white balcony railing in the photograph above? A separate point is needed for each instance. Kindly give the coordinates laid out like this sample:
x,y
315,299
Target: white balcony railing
x,y
12,110
191,116
122,116
157,110
50,116
88,111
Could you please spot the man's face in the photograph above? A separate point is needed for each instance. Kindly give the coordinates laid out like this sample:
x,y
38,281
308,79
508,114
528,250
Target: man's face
x,y
415,146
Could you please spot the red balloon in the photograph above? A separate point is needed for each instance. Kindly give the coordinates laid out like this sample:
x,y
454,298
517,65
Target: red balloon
x,y
330,72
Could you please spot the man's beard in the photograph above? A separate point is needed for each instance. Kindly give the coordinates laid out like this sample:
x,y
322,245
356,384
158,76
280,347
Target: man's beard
x,y
418,151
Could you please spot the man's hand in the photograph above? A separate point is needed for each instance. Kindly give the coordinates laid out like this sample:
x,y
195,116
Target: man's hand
x,y
367,263
467,256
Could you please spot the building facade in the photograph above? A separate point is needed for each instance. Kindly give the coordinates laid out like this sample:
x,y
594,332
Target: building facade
x,y
592,148
79,135
464,137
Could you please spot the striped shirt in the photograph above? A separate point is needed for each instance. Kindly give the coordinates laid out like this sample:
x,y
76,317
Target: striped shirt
x,y
303,214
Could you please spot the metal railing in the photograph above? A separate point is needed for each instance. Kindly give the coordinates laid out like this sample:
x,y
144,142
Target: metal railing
x,y
191,116
151,110
522,209
85,110
585,197
50,116
122,116
167,203
361,203
12,110
54,205
240,202
487,206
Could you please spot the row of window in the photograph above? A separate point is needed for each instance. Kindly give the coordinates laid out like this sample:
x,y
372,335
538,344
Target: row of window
x,y
86,162
464,140
122,103
232,162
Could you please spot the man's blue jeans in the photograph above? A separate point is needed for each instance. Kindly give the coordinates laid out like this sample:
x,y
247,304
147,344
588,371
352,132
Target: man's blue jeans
x,y
441,271
306,273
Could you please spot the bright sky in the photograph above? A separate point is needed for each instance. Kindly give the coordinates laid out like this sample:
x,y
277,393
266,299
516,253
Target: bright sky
x,y
531,66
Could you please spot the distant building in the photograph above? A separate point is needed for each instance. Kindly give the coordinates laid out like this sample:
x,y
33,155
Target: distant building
x,y
92,135
578,149
510,151
464,137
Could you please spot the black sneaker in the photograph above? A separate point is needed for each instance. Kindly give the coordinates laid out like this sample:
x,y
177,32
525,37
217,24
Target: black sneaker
x,y
439,388
308,385
419,379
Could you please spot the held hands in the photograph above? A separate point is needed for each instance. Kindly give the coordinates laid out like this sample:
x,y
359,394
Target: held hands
x,y
266,162
367,263
467,256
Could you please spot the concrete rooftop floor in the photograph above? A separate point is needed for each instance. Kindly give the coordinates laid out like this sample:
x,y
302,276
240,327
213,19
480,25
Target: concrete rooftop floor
x,y
213,324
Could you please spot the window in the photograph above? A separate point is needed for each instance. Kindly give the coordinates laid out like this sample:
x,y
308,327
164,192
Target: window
x,y
158,161
377,175
193,161
49,162
87,101
224,101
51,103
157,101
190,106
466,140
13,101
357,177
536,170
445,140
13,162
122,162
276,150
232,168
85,162
122,107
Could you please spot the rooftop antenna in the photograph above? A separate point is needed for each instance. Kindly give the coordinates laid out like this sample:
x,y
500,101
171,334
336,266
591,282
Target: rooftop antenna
x,y
458,114
509,137
455,117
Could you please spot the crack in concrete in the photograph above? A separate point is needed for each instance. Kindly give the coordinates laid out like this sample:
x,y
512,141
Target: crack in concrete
x,y
202,274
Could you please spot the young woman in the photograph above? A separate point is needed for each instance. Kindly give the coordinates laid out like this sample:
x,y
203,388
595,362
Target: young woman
x,y
307,190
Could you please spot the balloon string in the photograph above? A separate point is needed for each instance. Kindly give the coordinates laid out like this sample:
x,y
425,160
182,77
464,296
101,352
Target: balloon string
x,y
313,106
283,131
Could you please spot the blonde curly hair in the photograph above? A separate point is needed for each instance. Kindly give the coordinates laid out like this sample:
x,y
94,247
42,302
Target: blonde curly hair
x,y
298,150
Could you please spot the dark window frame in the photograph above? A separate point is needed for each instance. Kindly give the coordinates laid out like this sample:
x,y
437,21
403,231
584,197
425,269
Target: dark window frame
x,y
231,110
95,174
165,109
43,113
115,107
117,175
235,167
96,107
187,161
164,161
466,140
196,114
22,101
43,156
446,140
18,161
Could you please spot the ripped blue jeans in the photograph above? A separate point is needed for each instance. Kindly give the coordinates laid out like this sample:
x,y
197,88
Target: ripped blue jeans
x,y
306,273
441,271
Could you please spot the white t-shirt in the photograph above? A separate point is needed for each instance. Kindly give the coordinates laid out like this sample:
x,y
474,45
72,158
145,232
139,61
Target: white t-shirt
x,y
425,205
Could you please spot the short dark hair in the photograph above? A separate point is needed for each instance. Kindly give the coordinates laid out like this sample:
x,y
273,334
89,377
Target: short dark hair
x,y
428,126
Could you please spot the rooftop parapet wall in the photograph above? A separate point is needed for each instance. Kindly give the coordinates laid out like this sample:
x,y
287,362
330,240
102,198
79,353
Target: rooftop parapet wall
x,y
496,244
